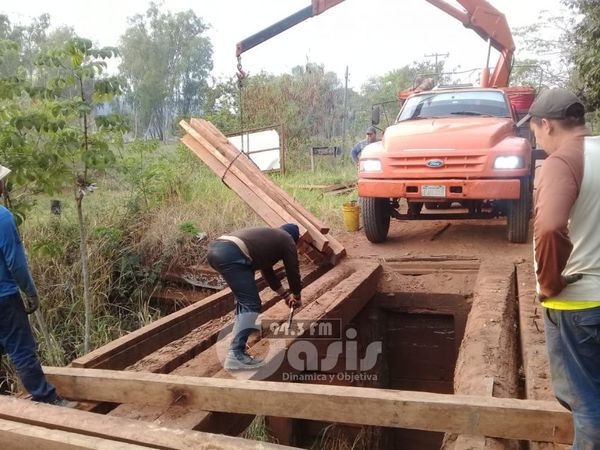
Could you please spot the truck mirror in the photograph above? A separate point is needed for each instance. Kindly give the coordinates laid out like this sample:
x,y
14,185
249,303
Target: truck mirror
x,y
375,113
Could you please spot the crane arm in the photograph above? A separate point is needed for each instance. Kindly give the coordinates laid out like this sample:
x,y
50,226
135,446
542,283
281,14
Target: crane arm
x,y
317,7
491,25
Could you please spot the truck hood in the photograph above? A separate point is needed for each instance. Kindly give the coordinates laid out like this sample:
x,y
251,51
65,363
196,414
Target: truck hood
x,y
468,133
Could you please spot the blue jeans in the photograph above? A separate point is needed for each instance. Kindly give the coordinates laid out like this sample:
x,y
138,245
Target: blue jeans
x,y
573,342
17,341
235,267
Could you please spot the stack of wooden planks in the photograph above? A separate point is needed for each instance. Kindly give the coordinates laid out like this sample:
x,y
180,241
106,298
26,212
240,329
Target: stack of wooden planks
x,y
28,425
269,201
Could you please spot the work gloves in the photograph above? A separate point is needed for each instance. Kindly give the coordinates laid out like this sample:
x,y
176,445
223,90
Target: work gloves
x,y
31,304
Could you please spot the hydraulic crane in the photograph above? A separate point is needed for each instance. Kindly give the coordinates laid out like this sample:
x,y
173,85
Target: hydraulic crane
x,y
478,15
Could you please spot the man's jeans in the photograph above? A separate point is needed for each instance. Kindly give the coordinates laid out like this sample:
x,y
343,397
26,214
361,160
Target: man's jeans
x,y
17,341
227,259
573,342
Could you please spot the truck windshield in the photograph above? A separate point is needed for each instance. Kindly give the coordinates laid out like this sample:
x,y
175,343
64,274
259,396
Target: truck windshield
x,y
455,104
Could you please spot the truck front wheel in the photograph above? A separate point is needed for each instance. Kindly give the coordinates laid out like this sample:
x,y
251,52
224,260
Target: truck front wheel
x,y
518,214
376,218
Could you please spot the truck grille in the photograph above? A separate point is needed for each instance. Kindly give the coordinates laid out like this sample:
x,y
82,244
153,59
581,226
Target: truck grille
x,y
462,164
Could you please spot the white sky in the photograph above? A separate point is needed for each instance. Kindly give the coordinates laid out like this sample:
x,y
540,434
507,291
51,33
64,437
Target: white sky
x,y
372,37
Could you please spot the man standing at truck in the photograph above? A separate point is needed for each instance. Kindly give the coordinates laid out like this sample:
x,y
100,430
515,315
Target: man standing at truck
x,y
16,338
358,148
567,256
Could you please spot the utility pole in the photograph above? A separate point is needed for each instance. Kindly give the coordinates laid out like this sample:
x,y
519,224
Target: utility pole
x,y
344,118
436,56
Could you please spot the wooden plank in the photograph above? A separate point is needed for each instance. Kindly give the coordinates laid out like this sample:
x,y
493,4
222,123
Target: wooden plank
x,y
64,421
19,436
252,185
462,414
490,351
130,348
273,217
270,212
220,141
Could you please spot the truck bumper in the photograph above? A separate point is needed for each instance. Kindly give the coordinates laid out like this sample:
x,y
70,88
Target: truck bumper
x,y
437,189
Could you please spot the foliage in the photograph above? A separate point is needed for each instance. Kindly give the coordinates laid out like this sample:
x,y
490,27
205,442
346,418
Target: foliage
x,y
544,49
147,171
307,103
585,41
166,60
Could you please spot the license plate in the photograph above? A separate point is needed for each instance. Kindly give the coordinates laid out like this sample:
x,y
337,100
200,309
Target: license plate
x,y
433,191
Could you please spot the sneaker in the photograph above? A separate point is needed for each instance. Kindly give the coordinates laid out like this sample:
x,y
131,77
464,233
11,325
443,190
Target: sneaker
x,y
59,401
242,361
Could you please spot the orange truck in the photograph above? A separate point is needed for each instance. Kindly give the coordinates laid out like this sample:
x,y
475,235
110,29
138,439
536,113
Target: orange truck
x,y
447,145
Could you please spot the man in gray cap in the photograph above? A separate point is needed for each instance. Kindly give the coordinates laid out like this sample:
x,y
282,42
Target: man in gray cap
x,y
358,148
567,255
16,338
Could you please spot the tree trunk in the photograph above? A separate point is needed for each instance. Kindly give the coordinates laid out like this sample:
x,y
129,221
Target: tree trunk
x,y
84,271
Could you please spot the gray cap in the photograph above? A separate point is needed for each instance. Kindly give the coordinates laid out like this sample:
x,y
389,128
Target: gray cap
x,y
557,103
372,130
4,171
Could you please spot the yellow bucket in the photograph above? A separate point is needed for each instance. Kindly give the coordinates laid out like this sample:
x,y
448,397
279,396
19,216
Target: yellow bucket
x,y
351,214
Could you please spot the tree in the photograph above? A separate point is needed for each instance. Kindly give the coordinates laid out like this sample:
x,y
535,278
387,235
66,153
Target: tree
x,y
585,41
53,137
543,52
384,90
307,103
166,60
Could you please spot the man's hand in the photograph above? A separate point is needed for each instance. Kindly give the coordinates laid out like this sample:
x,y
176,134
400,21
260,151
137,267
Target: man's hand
x,y
573,278
293,301
31,304
569,279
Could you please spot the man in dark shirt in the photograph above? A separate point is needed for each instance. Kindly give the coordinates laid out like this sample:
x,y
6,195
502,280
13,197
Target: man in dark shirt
x,y
236,257
16,338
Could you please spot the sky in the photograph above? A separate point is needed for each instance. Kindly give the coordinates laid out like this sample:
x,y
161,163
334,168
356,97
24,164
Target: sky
x,y
371,37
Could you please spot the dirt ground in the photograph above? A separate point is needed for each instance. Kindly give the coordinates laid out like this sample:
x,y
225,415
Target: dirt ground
x,y
483,239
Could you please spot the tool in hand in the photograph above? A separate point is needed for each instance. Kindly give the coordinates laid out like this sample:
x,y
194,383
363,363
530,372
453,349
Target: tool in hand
x,y
289,323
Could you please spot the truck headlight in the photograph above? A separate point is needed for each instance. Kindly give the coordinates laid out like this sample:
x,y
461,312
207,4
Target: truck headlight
x,y
370,165
509,162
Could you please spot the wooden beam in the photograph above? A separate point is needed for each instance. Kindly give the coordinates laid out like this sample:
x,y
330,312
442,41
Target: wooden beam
x,y
273,217
280,196
19,436
30,421
462,414
220,141
253,186
489,352
132,347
